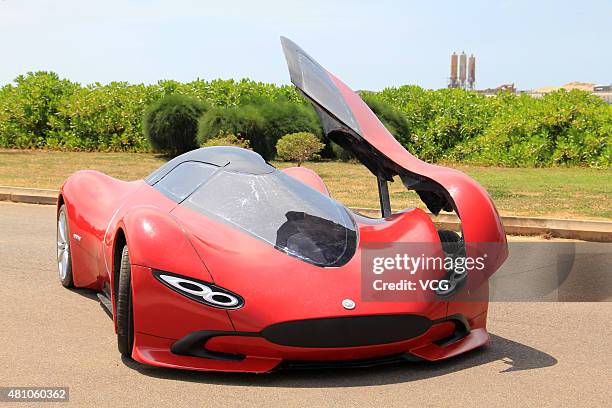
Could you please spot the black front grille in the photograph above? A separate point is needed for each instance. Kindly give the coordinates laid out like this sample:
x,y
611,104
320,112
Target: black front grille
x,y
347,331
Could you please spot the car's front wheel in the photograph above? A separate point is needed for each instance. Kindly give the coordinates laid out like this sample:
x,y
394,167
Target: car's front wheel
x,y
125,312
64,255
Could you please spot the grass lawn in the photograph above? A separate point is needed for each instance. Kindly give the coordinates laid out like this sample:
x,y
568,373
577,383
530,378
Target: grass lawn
x,y
552,192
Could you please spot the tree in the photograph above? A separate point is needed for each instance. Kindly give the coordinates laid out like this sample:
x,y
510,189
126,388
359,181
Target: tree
x,y
298,147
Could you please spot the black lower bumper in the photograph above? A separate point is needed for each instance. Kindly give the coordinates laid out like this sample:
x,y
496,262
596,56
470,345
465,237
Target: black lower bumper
x,y
339,332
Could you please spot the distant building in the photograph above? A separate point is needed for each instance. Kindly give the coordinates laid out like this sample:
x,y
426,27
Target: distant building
x,y
501,88
582,86
602,91
466,77
602,88
463,75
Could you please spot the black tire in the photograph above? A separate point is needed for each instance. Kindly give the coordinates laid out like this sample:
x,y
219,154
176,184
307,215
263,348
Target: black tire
x,y
65,275
125,311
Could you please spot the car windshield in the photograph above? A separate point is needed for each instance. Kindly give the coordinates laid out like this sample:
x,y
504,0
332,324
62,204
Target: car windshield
x,y
281,211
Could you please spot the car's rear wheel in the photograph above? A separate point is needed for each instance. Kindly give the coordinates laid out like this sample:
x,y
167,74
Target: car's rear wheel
x,y
64,255
125,312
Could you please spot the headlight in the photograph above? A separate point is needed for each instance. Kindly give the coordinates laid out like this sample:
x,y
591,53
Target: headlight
x,y
200,291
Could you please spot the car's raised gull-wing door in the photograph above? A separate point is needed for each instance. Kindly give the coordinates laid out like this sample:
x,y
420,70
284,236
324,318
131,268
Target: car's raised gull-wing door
x,y
349,122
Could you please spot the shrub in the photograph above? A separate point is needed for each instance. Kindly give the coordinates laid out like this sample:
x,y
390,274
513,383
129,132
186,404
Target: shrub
x,y
228,140
282,118
393,119
42,110
245,121
27,107
103,117
452,124
260,121
171,124
560,128
298,147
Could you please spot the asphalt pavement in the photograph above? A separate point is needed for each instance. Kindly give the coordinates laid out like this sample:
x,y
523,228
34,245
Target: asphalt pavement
x,y
541,354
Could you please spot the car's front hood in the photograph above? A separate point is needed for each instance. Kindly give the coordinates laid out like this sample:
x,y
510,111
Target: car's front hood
x,y
277,287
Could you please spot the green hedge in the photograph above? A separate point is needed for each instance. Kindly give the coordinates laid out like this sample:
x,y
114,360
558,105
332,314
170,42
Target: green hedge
x,y
560,128
41,110
29,108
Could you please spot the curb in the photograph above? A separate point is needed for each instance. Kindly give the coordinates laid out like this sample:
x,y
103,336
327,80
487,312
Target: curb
x,y
585,230
28,195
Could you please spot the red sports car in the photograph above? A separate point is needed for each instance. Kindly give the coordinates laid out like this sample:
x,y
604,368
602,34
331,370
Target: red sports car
x,y
219,261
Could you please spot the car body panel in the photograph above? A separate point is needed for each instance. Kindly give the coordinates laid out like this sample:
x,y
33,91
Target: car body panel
x,y
229,254
308,177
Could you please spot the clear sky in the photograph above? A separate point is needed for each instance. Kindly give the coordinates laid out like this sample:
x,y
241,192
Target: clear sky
x,y
369,44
